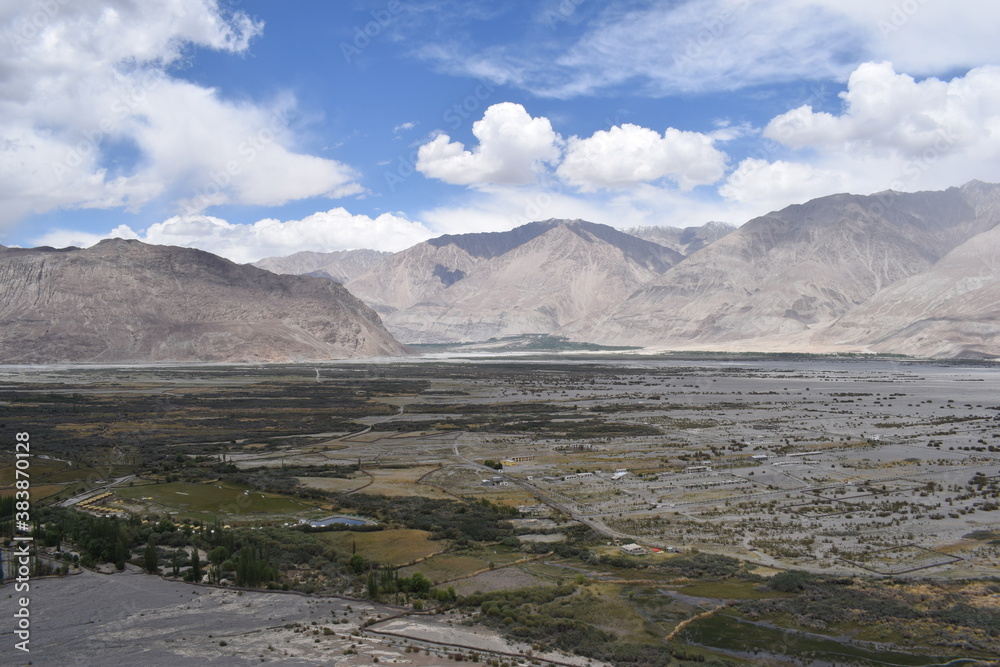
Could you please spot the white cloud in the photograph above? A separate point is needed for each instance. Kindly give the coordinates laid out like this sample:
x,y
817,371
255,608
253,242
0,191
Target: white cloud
x,y
661,48
325,231
886,111
91,118
923,37
773,185
512,150
896,132
627,155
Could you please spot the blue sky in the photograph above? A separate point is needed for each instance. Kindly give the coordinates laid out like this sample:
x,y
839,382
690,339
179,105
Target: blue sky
x,y
252,128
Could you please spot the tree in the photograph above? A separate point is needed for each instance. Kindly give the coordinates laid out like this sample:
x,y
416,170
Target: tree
x,y
357,564
195,565
217,555
120,555
151,559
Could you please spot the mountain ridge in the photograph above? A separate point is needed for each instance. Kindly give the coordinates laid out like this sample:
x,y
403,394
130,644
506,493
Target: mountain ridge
x,y
539,278
801,268
126,301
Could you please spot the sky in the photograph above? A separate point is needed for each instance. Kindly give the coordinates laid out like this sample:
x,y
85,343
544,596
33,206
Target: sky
x,y
257,128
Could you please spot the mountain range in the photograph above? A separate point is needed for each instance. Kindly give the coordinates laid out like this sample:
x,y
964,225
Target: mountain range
x,y
909,273
891,272
126,301
906,273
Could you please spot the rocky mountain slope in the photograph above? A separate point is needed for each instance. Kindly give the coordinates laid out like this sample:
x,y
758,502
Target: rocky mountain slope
x,y
950,310
125,301
686,241
543,277
339,266
800,273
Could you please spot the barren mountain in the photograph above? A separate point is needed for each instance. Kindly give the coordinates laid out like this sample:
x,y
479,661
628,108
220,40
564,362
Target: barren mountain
x,y
340,265
952,309
553,276
685,241
801,268
125,301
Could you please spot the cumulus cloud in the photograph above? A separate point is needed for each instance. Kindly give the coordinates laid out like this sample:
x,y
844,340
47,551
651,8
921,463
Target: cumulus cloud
x,y
886,111
325,231
513,148
897,132
773,185
627,155
94,116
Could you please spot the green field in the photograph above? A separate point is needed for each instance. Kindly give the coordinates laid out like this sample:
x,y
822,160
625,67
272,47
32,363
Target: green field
x,y
387,547
214,500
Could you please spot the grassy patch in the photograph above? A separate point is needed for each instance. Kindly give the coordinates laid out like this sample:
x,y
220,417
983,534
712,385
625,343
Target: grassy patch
x,y
446,567
387,547
215,499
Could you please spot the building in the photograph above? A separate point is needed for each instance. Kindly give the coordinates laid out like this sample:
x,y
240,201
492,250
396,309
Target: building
x,y
633,549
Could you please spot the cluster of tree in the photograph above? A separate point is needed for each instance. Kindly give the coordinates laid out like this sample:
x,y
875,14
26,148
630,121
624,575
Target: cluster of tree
x,y
445,519
387,584
547,617
829,600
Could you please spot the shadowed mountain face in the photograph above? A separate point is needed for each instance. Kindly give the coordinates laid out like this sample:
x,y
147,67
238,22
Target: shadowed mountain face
x,y
554,276
792,274
125,301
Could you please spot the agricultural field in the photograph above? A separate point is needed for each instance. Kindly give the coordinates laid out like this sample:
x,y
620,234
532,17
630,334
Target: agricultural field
x,y
209,501
657,505
396,547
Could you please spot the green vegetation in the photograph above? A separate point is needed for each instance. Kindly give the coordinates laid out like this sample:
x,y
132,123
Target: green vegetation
x,y
216,500
394,547
218,447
